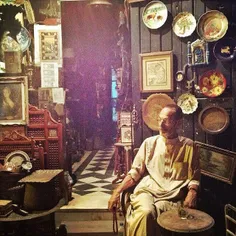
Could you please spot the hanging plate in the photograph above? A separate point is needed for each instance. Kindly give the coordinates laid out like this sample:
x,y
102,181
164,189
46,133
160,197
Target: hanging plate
x,y
23,38
188,103
152,107
184,24
213,119
225,49
212,83
155,14
212,26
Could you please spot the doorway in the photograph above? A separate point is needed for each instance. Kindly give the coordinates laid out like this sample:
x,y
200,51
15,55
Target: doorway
x,y
89,48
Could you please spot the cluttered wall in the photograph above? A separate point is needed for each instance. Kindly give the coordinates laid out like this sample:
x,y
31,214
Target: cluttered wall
x,y
182,39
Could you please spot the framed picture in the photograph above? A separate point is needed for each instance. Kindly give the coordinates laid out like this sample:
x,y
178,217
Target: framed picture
x,y
126,134
216,162
156,72
13,100
125,118
48,44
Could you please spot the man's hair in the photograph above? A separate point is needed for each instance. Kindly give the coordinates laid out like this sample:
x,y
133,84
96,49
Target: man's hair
x,y
177,111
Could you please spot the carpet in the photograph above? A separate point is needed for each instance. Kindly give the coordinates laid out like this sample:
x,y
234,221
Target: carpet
x,y
96,173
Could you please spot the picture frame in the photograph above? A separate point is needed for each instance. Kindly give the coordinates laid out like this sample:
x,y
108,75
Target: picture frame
x,y
13,100
125,118
156,72
126,134
216,162
48,44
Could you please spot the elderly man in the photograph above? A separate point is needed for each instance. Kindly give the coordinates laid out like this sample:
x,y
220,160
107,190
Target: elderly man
x,y
165,170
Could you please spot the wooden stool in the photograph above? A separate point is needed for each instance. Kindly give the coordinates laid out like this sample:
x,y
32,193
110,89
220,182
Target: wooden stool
x,y
197,223
123,160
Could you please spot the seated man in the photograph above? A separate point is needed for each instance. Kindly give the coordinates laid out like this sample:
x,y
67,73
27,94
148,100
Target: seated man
x,y
166,171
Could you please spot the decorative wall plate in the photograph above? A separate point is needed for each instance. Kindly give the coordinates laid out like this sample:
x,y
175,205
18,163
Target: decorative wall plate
x,y
225,49
212,83
23,38
184,24
212,26
152,107
188,103
155,14
16,158
213,119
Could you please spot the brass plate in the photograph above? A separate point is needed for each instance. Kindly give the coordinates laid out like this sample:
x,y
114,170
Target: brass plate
x,y
212,26
213,119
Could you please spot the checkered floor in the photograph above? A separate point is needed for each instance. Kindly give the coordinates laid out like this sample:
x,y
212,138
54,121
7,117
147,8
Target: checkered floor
x,y
95,175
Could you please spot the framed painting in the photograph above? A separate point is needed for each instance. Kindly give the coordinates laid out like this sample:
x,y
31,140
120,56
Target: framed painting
x,y
156,72
216,162
48,44
126,134
14,100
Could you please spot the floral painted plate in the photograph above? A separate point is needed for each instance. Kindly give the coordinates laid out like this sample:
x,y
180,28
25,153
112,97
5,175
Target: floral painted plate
x,y
212,83
184,24
188,103
155,14
152,107
212,26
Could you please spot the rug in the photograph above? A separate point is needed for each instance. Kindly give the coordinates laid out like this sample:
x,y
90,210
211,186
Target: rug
x,y
96,173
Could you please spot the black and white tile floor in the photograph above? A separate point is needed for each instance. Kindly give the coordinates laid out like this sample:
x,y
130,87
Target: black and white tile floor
x,y
96,174
94,180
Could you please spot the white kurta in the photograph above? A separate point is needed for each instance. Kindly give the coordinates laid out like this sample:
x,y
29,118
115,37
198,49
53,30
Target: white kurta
x,y
163,168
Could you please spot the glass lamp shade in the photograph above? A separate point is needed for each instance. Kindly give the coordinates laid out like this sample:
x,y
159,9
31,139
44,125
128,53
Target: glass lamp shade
x,y
100,2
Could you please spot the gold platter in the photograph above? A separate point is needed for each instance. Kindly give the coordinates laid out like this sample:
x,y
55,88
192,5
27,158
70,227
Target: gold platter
x,y
212,26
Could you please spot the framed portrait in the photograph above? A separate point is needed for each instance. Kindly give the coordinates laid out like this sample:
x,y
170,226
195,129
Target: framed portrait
x,y
126,134
13,100
216,162
48,44
156,72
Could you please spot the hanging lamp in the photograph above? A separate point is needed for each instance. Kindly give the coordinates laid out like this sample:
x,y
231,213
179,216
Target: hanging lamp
x,y
100,2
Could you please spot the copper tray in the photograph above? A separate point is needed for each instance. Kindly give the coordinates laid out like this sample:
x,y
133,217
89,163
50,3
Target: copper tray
x,y
152,107
213,119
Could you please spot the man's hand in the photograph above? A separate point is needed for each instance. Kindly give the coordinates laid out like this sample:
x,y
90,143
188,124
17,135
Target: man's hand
x,y
191,199
114,201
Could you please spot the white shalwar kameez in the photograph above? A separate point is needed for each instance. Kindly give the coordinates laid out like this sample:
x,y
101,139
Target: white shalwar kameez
x,y
165,168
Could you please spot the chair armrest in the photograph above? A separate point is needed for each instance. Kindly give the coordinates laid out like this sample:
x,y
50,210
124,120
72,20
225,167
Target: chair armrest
x,y
125,199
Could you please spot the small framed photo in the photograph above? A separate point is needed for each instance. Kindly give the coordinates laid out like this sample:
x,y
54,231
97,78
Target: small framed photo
x,y
126,134
156,72
125,119
216,162
14,100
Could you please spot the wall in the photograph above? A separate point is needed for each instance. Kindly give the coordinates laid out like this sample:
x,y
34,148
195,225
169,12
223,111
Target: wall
x,y
143,40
